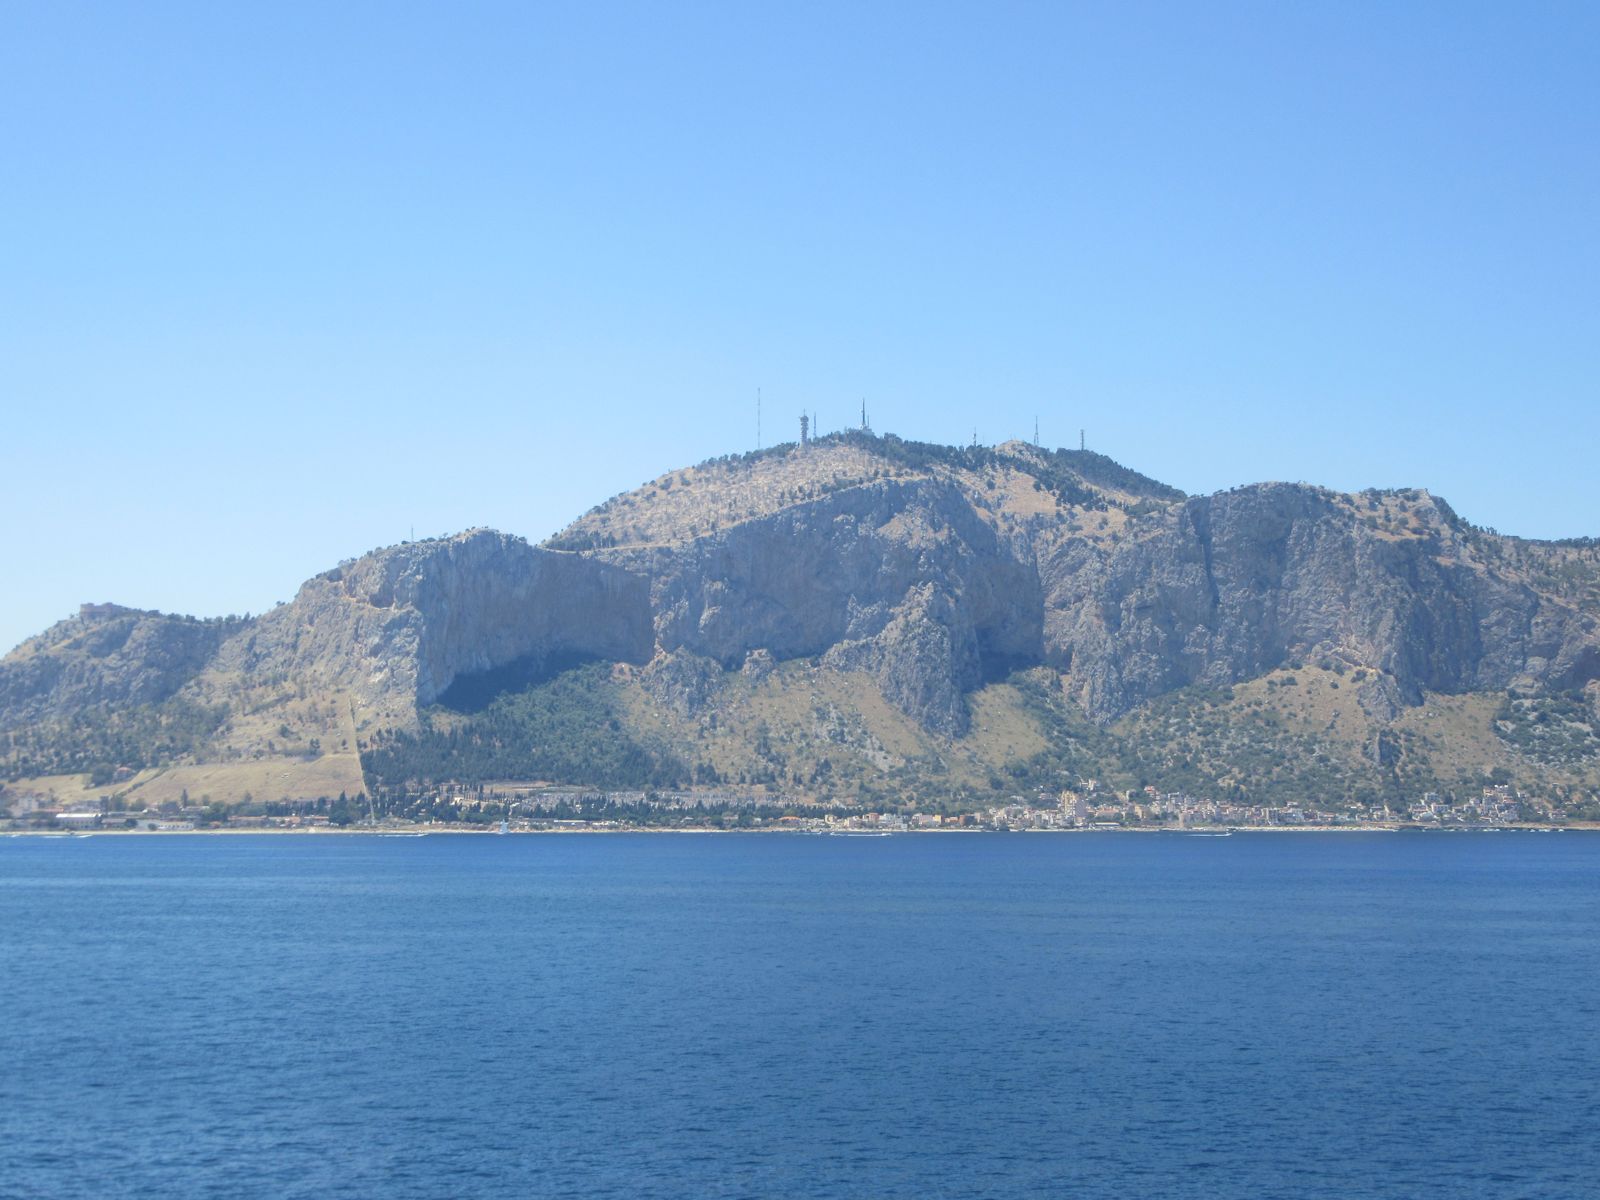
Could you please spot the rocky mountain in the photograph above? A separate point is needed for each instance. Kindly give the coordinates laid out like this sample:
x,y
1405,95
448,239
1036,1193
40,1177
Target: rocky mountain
x,y
394,630
906,589
1222,589
106,655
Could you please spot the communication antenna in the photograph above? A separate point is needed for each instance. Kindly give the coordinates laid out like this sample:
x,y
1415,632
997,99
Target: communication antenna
x,y
974,437
1035,430
1082,443
805,429
865,428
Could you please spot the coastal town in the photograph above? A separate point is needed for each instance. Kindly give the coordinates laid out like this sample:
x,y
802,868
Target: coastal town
x,y
550,809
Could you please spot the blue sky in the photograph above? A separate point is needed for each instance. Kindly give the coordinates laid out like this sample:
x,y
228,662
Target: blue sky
x,y
279,283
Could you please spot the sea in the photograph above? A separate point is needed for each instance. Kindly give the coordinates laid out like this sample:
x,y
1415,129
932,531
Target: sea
x,y
1092,1015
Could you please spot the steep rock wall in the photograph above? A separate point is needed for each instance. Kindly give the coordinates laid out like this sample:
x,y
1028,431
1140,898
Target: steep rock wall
x,y
1225,587
901,578
396,628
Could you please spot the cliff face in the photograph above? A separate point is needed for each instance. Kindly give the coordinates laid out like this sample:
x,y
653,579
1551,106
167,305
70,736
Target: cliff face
x,y
395,629
936,572
898,578
386,633
1223,588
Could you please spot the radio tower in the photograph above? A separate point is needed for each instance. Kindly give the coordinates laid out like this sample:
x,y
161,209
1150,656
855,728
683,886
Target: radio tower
x,y
805,429
1082,444
1035,431
865,428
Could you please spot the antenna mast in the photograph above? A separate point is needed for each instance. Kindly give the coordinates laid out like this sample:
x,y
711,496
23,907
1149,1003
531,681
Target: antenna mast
x,y
1082,444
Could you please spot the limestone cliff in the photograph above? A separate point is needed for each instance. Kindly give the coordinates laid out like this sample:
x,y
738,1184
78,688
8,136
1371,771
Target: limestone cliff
x,y
934,569
916,564
901,578
1224,588
395,629
928,571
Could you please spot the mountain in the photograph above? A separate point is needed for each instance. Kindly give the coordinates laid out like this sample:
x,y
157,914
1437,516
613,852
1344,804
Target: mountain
x,y
857,616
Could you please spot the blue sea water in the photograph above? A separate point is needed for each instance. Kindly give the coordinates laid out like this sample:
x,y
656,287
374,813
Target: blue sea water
x,y
1265,1015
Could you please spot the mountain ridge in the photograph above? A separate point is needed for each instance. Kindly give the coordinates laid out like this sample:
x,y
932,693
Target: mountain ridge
x,y
926,575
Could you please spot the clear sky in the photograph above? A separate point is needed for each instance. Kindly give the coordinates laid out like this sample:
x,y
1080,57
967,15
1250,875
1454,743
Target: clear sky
x,y
280,282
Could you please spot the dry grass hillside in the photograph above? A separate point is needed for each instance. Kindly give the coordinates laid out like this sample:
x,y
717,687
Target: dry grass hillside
x,y
1014,483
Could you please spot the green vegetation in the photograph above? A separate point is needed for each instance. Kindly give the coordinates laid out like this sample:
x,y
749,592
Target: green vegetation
x,y
1252,745
1222,744
563,730
102,740
1556,729
1206,742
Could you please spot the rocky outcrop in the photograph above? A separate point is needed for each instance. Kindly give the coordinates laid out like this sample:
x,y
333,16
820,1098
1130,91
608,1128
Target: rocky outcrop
x,y
682,681
1223,588
106,655
899,578
395,629
925,658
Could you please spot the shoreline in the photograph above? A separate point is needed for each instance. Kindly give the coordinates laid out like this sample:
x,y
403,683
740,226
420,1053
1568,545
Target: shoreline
x,y
441,831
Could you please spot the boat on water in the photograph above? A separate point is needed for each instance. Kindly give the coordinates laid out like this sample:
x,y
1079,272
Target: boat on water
x,y
860,833
505,827
419,833
1211,833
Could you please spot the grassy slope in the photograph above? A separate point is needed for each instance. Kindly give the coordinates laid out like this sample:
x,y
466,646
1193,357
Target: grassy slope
x,y
1273,739
1014,482
225,783
273,743
1269,740
822,735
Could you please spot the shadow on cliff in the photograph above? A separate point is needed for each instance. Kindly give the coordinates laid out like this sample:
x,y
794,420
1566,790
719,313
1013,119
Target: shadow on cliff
x,y
474,693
